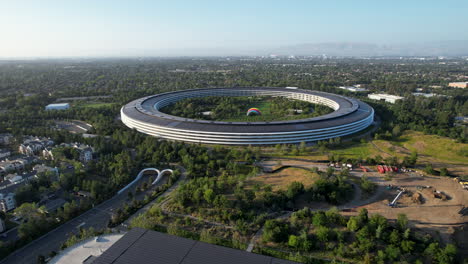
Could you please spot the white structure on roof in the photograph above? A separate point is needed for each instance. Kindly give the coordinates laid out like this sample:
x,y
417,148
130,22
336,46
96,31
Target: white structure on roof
x,y
385,97
7,202
458,84
62,106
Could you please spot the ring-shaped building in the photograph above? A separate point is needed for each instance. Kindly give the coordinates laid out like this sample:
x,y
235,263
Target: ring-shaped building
x,y
350,116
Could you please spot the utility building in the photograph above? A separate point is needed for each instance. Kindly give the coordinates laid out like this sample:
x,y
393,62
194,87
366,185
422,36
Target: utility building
x,y
63,106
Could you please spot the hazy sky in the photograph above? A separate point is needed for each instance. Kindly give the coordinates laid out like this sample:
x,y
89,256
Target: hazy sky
x,y
122,28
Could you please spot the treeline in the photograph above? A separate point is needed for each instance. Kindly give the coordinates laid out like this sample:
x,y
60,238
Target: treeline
x,y
364,238
434,115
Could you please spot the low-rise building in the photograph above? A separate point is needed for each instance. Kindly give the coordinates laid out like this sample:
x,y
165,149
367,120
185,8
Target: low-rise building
x,y
462,118
11,165
47,153
2,226
6,139
85,151
427,95
14,178
354,88
458,84
34,145
41,168
7,202
385,97
61,106
52,205
4,153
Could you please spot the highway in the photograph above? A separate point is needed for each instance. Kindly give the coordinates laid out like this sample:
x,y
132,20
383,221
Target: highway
x,y
96,217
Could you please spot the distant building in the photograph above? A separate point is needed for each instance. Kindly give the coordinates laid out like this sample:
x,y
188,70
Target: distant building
x,y
461,120
14,178
7,202
2,226
385,97
34,145
6,139
41,168
425,94
458,84
11,165
52,205
4,153
62,106
86,152
47,153
354,88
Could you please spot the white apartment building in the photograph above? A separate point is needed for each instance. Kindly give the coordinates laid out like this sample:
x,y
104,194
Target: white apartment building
x,y
458,84
385,97
7,202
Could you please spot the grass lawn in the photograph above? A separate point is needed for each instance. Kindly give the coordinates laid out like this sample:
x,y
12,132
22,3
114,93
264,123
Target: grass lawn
x,y
281,179
265,108
440,148
439,151
357,150
432,147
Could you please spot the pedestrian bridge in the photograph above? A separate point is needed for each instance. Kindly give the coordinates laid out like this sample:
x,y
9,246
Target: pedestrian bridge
x,y
140,175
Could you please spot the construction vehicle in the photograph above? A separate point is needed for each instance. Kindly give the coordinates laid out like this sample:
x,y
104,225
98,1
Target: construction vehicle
x,y
380,169
393,203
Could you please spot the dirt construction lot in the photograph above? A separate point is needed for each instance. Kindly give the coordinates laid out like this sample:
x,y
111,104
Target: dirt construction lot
x,y
432,204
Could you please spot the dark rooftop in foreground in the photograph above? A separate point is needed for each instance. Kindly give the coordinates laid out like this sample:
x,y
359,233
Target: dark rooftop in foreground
x,y
146,246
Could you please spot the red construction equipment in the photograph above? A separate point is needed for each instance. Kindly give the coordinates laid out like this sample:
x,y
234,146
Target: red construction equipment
x,y
380,169
364,169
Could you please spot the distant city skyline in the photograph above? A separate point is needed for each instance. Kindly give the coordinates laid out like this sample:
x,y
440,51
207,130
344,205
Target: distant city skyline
x,y
105,28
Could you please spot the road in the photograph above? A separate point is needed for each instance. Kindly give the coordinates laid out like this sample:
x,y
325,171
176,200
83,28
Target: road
x,y
96,217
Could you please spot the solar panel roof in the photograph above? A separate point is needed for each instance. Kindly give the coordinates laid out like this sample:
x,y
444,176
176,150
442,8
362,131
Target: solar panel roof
x,y
146,246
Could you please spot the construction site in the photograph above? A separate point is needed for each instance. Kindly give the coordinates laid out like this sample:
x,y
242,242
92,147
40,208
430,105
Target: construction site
x,y
434,205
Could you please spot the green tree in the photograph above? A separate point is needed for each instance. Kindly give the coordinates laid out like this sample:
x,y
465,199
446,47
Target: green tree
x,y
407,246
209,195
444,172
394,237
293,241
353,223
402,221
319,219
322,233
392,252
275,231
